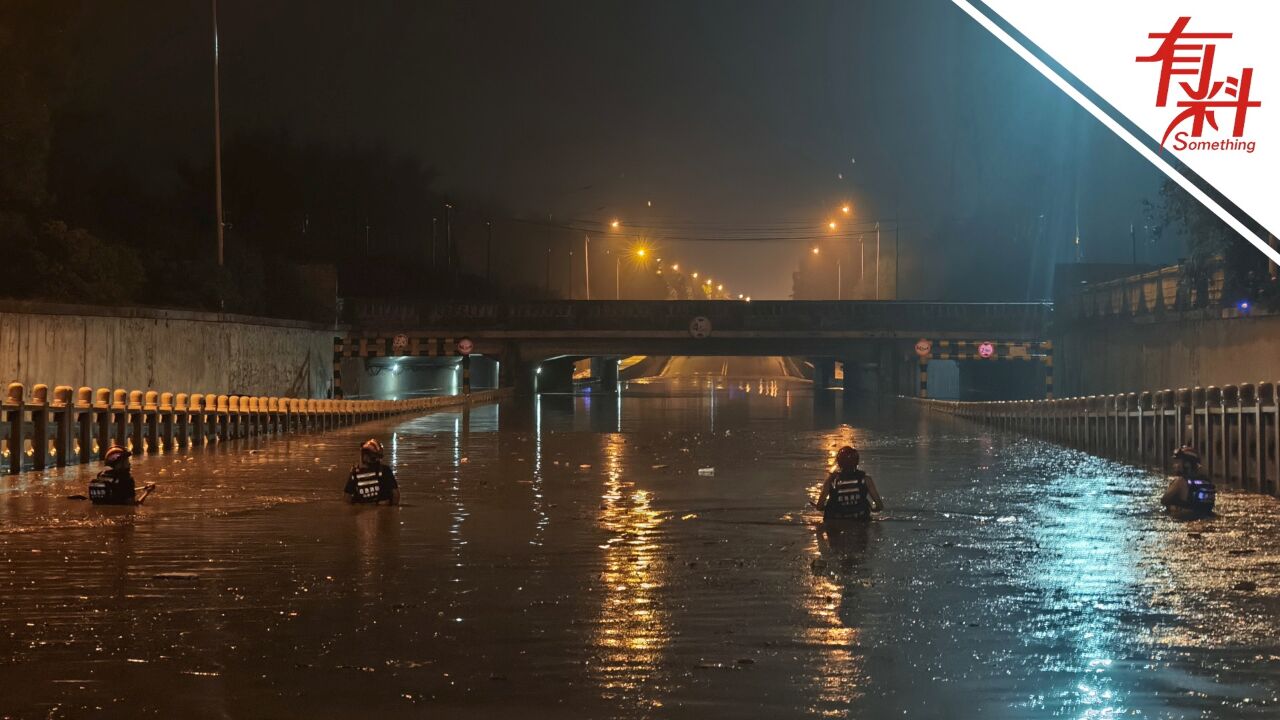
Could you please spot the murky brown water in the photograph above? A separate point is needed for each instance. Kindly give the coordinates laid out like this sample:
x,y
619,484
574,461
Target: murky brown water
x,y
565,559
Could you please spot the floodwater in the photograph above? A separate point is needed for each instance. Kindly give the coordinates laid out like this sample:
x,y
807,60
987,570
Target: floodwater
x,y
564,558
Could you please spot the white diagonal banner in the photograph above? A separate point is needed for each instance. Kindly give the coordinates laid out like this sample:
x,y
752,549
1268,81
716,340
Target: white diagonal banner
x,y
1199,76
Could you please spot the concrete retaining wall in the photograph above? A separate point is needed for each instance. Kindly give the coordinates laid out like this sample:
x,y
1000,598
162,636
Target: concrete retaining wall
x,y
147,348
1179,350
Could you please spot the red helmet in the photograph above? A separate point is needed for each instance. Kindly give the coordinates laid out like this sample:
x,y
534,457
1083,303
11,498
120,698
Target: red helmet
x,y
1186,453
847,458
372,446
115,453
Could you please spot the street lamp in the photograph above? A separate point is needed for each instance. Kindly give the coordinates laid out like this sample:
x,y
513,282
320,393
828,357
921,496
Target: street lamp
x,y
637,251
846,210
815,250
832,225
614,224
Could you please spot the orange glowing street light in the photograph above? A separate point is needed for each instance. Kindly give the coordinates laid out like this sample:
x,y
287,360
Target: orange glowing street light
x,y
695,276
846,209
675,266
832,225
614,224
815,250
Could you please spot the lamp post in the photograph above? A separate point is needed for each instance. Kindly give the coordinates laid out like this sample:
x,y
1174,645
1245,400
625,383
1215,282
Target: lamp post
x,y
217,139
877,259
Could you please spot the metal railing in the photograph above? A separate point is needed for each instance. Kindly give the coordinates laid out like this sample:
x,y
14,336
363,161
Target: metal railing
x,y
39,432
1236,428
1166,290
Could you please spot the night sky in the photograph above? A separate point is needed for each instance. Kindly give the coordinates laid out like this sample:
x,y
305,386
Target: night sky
x,y
736,120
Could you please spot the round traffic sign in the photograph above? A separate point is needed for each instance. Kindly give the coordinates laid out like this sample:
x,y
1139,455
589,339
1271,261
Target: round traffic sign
x,y
465,346
700,327
986,350
924,347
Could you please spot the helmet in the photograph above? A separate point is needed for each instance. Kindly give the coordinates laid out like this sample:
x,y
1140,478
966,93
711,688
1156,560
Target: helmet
x,y
115,453
372,446
847,458
1186,453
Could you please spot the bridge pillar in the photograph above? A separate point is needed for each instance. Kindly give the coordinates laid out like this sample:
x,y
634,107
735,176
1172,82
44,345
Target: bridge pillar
x,y
518,374
605,369
824,373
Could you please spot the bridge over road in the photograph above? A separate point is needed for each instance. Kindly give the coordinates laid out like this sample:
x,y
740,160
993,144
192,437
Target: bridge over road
x,y
530,334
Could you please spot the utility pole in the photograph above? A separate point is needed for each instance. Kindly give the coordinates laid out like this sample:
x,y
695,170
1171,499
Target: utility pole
x,y
570,274
1133,244
433,244
586,263
448,239
217,140
877,268
897,294
546,287
488,253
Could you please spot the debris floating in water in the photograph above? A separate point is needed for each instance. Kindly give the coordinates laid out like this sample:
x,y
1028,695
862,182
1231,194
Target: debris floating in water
x,y
707,472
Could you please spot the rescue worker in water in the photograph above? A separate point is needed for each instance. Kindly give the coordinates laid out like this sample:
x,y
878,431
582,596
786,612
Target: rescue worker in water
x,y
1188,492
371,481
114,486
848,493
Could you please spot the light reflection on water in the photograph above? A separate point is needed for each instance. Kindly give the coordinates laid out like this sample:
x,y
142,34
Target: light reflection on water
x,y
632,632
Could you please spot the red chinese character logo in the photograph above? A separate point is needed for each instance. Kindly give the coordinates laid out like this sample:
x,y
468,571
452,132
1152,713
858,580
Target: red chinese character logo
x,y
1191,54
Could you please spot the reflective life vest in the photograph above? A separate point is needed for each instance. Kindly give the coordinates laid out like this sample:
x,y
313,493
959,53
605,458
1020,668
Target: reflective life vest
x,y
1200,495
849,497
366,485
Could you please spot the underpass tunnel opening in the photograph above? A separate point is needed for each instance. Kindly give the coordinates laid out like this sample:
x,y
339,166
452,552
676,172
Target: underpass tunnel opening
x,y
577,373
985,380
401,378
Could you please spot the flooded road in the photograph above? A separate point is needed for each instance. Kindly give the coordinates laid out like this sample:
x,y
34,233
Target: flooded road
x,y
564,557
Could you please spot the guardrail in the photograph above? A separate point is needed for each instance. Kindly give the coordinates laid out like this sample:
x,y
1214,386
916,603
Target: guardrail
x,y
40,432
1235,428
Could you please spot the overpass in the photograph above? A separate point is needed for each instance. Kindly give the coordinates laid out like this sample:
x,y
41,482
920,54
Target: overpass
x,y
527,335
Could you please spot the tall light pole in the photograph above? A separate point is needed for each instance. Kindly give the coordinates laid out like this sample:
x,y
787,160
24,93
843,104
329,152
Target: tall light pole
x,y
877,259
448,237
217,140
897,292
586,261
